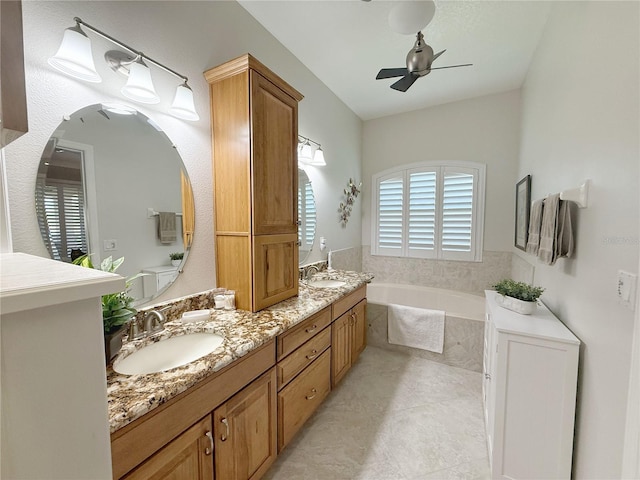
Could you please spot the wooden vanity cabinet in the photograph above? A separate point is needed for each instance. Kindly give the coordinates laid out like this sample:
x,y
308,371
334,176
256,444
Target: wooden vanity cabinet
x,y
188,457
255,137
245,431
348,333
304,373
242,392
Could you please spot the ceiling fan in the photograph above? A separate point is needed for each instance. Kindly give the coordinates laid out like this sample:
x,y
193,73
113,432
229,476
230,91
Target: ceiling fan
x,y
419,60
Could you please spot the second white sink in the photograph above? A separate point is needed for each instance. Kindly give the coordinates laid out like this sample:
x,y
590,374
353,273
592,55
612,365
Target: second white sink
x,y
167,354
327,283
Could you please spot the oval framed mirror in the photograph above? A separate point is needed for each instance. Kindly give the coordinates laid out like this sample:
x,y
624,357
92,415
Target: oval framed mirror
x,y
306,216
111,183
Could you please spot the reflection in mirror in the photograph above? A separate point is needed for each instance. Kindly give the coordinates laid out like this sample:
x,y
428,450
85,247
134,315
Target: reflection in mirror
x,y
306,216
113,184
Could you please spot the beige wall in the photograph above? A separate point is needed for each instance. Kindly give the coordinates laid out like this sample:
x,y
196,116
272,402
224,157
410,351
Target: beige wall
x,y
189,37
581,121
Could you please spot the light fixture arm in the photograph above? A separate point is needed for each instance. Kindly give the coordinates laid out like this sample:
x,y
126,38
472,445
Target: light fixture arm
x,y
141,55
302,138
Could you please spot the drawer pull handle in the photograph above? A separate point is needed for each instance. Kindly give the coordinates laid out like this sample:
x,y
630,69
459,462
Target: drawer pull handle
x,y
313,394
314,354
312,329
225,435
208,450
487,376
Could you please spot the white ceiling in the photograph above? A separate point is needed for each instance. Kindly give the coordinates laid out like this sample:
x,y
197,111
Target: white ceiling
x,y
345,43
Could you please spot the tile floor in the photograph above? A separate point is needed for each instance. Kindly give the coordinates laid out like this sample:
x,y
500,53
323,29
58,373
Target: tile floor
x,y
393,417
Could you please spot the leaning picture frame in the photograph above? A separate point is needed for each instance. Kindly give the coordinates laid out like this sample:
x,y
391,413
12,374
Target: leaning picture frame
x,y
523,206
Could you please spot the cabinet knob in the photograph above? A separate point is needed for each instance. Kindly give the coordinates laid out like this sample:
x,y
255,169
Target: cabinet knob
x,y
311,329
208,450
313,394
225,435
314,354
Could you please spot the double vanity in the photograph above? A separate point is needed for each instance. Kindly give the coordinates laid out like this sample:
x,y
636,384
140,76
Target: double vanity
x,y
233,410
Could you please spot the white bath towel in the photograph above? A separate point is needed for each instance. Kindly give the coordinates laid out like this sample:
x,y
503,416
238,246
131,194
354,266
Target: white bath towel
x,y
416,327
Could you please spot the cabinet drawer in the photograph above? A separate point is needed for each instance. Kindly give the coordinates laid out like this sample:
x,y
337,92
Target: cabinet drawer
x,y
293,338
293,364
298,400
345,303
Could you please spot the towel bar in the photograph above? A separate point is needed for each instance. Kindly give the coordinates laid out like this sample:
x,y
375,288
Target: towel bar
x,y
578,195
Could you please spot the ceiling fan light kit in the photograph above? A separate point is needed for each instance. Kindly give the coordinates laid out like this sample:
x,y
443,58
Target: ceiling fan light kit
x,y
407,17
418,61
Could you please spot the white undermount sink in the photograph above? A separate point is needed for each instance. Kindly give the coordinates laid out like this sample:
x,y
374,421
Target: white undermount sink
x,y
167,354
327,283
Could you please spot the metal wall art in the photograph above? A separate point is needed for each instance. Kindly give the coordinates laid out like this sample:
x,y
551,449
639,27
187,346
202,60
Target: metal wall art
x,y
351,193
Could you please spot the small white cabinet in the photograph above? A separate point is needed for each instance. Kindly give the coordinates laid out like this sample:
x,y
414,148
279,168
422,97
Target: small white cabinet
x,y
529,393
157,278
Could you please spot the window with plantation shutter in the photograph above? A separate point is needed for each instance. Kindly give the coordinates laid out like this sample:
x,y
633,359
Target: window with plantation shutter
x,y
306,216
390,215
64,217
440,216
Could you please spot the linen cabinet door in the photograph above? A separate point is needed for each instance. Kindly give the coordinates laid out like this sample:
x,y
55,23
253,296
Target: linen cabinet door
x,y
275,269
340,347
359,330
274,133
245,431
188,457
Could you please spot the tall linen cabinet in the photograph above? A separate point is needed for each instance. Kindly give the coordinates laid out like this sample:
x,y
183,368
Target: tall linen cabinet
x,y
254,115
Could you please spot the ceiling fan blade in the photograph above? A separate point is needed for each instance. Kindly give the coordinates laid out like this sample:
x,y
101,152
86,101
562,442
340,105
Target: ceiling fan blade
x,y
391,72
437,55
453,66
405,82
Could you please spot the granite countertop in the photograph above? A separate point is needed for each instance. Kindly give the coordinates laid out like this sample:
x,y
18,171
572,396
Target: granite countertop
x,y
132,396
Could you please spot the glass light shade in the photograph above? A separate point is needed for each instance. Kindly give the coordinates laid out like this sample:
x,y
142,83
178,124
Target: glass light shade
x,y
139,86
318,158
183,106
409,17
304,153
74,57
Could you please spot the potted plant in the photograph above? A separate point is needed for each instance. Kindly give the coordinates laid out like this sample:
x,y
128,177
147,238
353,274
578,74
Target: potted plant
x,y
176,258
517,296
116,307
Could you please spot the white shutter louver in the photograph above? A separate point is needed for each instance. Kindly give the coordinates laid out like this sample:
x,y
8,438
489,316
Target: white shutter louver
x,y
309,215
390,198
457,212
422,211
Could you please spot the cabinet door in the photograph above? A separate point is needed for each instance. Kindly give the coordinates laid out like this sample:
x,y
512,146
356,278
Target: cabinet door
x,y
188,457
340,347
245,431
274,135
358,330
275,269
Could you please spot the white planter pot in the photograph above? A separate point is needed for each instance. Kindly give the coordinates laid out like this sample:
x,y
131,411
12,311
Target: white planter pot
x,y
515,305
176,263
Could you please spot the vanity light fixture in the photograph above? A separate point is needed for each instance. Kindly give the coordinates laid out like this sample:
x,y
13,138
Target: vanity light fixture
x,y
304,152
74,58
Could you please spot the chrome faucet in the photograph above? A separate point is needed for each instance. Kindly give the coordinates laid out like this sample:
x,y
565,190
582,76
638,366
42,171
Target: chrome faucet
x,y
309,271
152,322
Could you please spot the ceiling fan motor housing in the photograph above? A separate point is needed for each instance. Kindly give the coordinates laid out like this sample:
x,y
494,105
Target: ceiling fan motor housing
x,y
420,57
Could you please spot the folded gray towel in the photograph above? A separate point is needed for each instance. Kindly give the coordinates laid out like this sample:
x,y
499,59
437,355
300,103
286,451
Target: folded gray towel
x,y
167,227
547,249
535,221
564,231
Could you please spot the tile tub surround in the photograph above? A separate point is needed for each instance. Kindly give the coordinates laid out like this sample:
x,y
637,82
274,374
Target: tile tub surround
x,y
132,396
470,277
463,339
393,417
347,259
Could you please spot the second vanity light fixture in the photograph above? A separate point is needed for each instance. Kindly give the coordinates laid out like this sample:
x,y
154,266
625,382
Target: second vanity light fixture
x,y
304,153
75,58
